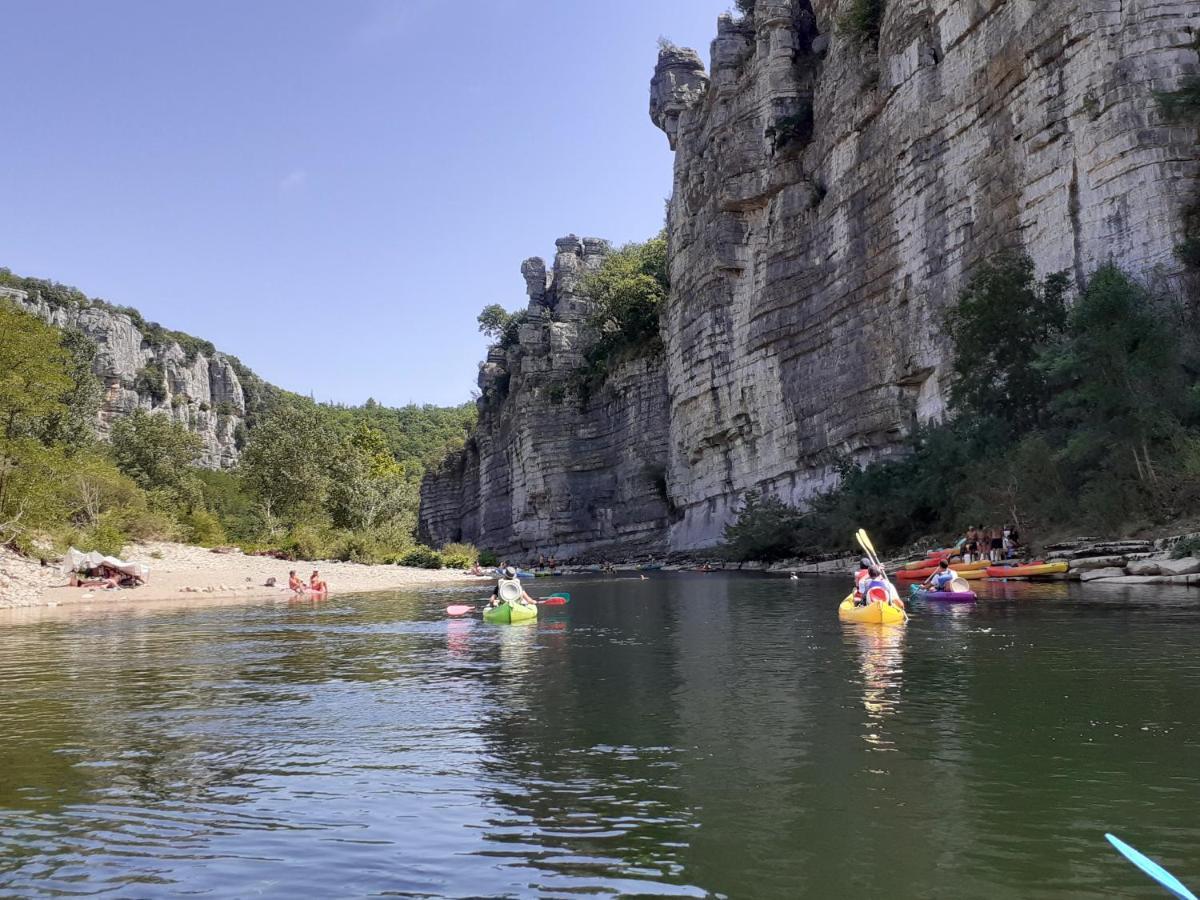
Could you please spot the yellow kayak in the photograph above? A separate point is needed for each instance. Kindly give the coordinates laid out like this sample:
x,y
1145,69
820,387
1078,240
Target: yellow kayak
x,y
1055,568
872,613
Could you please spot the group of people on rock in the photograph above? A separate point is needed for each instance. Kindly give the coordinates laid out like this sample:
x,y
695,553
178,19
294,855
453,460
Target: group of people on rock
x,y
992,544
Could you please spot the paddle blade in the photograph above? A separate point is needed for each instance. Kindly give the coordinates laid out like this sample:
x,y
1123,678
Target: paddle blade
x,y
458,610
553,601
1151,868
563,594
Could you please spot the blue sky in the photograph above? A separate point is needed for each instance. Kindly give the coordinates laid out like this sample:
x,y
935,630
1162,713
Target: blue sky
x,y
330,190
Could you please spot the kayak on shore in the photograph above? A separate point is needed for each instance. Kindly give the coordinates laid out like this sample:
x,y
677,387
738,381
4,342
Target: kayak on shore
x,y
509,614
1029,571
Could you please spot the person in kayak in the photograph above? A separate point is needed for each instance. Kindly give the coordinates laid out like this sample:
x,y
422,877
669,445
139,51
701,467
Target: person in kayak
x,y
861,577
941,579
509,589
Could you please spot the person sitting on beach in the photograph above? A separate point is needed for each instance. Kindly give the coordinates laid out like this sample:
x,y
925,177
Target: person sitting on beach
x,y
295,585
941,579
316,585
475,570
509,589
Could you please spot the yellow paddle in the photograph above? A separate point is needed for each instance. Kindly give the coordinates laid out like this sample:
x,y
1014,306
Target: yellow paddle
x,y
864,541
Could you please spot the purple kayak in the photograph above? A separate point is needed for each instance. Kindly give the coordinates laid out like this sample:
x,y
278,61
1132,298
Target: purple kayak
x,y
945,596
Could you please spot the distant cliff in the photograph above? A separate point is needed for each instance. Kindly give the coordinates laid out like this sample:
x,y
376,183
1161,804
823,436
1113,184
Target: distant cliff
x,y
140,365
544,472
836,178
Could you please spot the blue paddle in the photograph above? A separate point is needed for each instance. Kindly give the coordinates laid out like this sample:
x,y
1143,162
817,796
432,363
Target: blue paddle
x,y
1151,868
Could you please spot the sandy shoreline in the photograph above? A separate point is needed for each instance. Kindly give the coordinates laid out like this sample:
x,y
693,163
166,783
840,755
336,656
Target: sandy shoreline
x,y
182,572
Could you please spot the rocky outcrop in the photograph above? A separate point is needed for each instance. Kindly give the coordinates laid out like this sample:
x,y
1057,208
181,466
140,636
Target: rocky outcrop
x,y
832,191
202,392
545,471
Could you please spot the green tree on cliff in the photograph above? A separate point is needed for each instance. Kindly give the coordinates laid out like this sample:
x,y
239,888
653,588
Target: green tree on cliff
x,y
627,291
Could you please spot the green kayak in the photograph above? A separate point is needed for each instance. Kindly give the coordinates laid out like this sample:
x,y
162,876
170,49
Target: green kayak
x,y
506,614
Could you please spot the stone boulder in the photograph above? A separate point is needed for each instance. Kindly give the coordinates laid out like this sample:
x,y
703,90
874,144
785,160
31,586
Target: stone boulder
x,y
1144,567
1097,574
1189,565
1098,562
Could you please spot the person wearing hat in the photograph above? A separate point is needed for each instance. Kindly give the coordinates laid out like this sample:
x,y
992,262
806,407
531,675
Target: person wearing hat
x,y
509,590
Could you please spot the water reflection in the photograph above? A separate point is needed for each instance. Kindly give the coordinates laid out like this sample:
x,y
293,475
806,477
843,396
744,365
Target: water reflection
x,y
881,661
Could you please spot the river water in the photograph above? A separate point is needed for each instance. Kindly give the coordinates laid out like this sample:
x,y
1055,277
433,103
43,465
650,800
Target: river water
x,y
688,735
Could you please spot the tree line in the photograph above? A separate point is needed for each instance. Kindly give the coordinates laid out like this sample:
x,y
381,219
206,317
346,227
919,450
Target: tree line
x,y
315,481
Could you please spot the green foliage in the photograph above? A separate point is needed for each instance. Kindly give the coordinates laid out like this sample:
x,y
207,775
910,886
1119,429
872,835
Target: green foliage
x,y
1004,320
1120,389
500,325
74,424
105,537
459,556
285,462
863,19
158,454
33,373
367,486
204,528
627,290
422,558
151,382
766,529
488,559
309,542
791,130
225,495
1189,546
1182,104
746,8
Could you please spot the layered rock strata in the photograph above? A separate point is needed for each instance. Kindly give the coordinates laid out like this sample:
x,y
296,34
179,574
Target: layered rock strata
x,y
833,190
203,393
545,472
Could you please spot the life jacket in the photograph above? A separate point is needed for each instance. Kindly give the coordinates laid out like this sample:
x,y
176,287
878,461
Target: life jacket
x,y
878,590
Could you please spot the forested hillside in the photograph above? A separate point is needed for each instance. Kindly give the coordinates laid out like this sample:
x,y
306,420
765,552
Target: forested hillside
x,y
308,479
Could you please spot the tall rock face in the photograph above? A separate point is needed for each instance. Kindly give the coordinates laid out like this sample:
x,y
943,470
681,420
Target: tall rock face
x,y
833,190
201,392
544,473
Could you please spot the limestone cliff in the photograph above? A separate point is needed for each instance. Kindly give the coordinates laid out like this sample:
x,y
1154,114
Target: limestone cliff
x,y
202,391
833,189
544,472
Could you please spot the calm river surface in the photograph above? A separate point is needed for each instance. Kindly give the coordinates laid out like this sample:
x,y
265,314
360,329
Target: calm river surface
x,y
688,735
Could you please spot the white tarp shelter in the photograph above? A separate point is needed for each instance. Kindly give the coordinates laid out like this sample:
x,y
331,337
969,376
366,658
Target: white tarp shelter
x,y
78,561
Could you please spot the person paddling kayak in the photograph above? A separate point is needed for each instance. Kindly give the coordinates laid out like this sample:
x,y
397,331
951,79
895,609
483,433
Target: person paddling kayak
x,y
942,578
510,590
